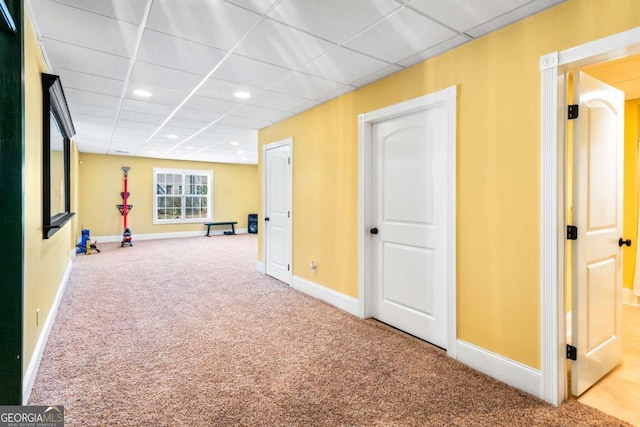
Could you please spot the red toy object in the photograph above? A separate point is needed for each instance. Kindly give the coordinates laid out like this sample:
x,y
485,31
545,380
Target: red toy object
x,y
124,209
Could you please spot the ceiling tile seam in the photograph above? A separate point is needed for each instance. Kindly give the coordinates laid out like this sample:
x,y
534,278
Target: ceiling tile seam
x,y
202,82
73,6
132,61
90,74
38,33
469,39
431,18
269,10
510,12
84,47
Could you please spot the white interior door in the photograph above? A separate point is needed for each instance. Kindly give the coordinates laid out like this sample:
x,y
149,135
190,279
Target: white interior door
x,y
597,201
277,217
409,159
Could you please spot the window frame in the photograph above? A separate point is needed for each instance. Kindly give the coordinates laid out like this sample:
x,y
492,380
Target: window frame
x,y
184,173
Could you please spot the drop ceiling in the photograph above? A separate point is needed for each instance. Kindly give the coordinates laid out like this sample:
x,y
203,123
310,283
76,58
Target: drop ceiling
x,y
194,56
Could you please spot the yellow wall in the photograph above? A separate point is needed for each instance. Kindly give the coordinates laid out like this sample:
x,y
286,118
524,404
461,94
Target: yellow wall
x,y
235,193
498,173
630,222
45,261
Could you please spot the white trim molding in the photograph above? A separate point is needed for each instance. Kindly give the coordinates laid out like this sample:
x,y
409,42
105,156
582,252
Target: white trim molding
x,y
335,298
553,68
32,370
260,267
448,98
502,368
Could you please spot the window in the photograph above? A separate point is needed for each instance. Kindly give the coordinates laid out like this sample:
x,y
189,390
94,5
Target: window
x,y
182,196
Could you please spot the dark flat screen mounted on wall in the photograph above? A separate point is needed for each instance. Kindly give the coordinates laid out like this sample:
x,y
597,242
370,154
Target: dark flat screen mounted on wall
x,y
57,131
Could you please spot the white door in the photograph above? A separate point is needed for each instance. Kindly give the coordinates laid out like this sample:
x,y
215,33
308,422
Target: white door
x,y
409,159
597,212
277,216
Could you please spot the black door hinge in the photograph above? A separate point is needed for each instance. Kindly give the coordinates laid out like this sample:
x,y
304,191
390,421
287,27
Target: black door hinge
x,y
572,352
572,232
573,111
288,267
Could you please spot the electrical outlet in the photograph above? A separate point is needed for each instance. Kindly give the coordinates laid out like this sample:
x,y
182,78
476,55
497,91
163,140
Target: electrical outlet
x,y
37,317
314,266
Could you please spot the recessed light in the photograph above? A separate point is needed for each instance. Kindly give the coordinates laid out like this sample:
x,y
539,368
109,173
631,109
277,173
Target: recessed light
x,y
242,95
240,152
172,136
234,143
143,93
189,148
151,152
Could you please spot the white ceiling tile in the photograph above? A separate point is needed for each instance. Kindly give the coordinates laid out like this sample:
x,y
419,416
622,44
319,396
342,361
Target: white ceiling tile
x,y
282,102
213,105
253,112
130,10
173,52
213,22
399,36
335,93
91,110
465,14
376,75
435,50
243,70
136,116
333,20
244,122
193,125
135,127
159,95
80,59
305,86
83,81
281,45
86,147
202,116
89,30
215,88
512,16
343,65
91,98
146,107
258,6
145,75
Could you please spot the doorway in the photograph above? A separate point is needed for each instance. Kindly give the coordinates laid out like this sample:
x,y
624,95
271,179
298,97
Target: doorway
x,y
554,70
277,195
407,216
618,391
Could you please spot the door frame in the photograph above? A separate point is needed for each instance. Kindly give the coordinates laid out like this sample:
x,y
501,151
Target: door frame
x,y
553,69
448,97
289,239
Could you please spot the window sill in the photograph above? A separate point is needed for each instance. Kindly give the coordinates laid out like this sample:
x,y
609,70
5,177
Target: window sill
x,y
56,224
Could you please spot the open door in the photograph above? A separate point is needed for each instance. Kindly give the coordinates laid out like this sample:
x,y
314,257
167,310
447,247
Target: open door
x,y
597,213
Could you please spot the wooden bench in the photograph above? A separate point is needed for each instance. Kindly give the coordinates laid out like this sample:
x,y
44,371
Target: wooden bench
x,y
231,223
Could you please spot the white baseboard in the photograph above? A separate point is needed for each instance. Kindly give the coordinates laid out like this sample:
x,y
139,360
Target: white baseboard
x,y
335,298
506,370
154,236
260,267
630,298
32,370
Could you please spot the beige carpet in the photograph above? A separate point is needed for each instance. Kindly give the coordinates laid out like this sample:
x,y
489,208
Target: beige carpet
x,y
185,332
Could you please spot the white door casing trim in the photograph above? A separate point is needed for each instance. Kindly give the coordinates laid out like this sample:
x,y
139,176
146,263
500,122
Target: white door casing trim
x,y
265,148
553,68
448,97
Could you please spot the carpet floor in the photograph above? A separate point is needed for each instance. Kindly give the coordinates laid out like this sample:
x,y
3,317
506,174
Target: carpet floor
x,y
185,332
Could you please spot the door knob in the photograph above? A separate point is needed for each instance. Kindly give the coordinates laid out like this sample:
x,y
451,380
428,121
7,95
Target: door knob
x,y
624,242
374,230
